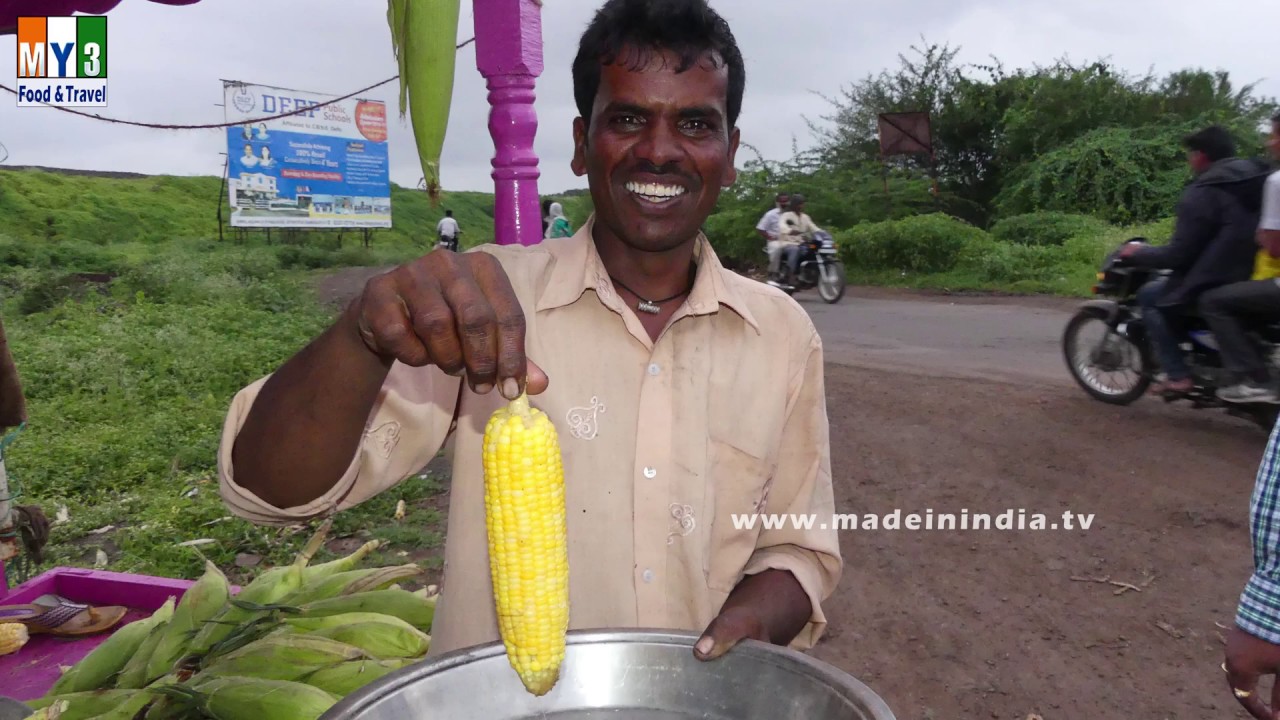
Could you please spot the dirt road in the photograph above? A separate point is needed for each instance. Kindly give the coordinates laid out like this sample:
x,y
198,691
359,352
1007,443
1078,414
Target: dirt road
x,y
964,405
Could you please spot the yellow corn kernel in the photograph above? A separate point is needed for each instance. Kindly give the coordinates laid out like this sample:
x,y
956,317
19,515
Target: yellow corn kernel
x,y
528,554
12,637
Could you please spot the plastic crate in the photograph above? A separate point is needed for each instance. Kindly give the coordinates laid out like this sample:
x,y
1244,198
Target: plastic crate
x,y
31,671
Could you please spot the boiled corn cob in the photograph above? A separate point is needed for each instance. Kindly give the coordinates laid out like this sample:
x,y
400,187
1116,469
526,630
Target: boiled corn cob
x,y
87,704
528,556
12,637
424,36
99,668
286,656
239,698
351,582
126,710
206,598
345,678
312,573
50,712
415,609
266,590
385,637
134,673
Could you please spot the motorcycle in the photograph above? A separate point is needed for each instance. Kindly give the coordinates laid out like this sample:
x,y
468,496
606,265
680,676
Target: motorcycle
x,y
1125,345
819,267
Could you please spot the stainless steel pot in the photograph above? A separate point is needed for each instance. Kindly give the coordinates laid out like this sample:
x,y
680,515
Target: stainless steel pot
x,y
620,675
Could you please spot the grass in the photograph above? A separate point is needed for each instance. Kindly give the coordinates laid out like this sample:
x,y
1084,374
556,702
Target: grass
x,y
132,329
940,253
128,382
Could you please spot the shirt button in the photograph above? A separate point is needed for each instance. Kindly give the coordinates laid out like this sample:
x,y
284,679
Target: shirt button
x,y
650,473
648,576
655,368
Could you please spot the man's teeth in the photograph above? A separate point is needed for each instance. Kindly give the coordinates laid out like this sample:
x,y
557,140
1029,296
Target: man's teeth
x,y
654,191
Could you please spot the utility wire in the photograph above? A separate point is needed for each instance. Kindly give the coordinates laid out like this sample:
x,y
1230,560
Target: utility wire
x,y
214,126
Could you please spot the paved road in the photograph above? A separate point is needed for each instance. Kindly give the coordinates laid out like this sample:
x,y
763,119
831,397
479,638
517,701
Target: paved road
x,y
999,338
1018,340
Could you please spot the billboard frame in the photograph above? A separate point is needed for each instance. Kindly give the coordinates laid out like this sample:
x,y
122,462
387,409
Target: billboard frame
x,y
321,100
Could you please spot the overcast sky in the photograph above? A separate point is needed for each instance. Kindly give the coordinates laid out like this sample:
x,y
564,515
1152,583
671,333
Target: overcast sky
x,y
166,65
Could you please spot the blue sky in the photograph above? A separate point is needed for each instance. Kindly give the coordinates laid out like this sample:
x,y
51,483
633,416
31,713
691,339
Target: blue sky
x,y
167,63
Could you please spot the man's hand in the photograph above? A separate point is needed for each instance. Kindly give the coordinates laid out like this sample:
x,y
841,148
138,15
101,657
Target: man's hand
x,y
1130,248
456,311
770,607
1249,658
726,630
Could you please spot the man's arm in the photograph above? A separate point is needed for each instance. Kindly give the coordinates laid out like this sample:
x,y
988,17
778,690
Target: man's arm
x,y
794,568
298,437
1195,227
307,418
762,227
1259,610
1269,219
1269,240
1253,646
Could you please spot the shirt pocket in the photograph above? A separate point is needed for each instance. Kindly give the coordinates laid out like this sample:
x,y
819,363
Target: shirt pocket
x,y
738,478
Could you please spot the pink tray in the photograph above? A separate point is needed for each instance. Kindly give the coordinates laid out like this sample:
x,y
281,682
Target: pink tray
x,y
29,673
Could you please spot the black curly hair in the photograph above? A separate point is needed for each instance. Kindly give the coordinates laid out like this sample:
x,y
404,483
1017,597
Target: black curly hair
x,y
639,28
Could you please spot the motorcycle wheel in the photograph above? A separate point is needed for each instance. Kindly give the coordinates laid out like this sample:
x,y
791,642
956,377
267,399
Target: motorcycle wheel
x,y
831,282
1083,368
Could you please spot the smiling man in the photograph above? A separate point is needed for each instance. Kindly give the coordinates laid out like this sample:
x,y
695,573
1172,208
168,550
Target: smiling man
x,y
688,398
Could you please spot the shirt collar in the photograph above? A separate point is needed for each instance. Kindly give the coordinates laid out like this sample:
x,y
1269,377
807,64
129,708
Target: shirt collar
x,y
577,268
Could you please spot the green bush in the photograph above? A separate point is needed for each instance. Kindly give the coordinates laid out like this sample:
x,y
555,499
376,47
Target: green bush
x,y
930,243
1047,228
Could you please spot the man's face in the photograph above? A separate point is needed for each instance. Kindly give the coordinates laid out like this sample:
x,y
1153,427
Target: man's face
x,y
1273,140
1198,161
783,201
658,151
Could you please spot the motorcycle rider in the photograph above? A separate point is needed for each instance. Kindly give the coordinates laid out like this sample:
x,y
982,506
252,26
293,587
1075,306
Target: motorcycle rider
x,y
1224,308
768,229
1212,245
794,228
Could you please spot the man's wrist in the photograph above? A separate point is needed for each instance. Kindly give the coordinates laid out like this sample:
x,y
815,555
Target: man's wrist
x,y
1259,610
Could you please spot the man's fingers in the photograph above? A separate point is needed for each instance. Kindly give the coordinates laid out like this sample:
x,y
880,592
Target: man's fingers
x,y
513,368
721,635
538,380
385,326
431,318
1244,685
477,330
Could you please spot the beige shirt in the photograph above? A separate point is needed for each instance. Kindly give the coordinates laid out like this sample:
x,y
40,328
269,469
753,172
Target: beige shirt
x,y
793,226
662,444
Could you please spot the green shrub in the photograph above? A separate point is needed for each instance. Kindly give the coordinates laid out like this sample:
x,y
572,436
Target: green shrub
x,y
924,243
1047,228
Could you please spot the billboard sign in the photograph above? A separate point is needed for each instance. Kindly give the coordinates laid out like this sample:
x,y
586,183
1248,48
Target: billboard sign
x,y
323,167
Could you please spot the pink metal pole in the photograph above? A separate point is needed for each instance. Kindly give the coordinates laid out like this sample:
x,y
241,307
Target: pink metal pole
x,y
509,55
